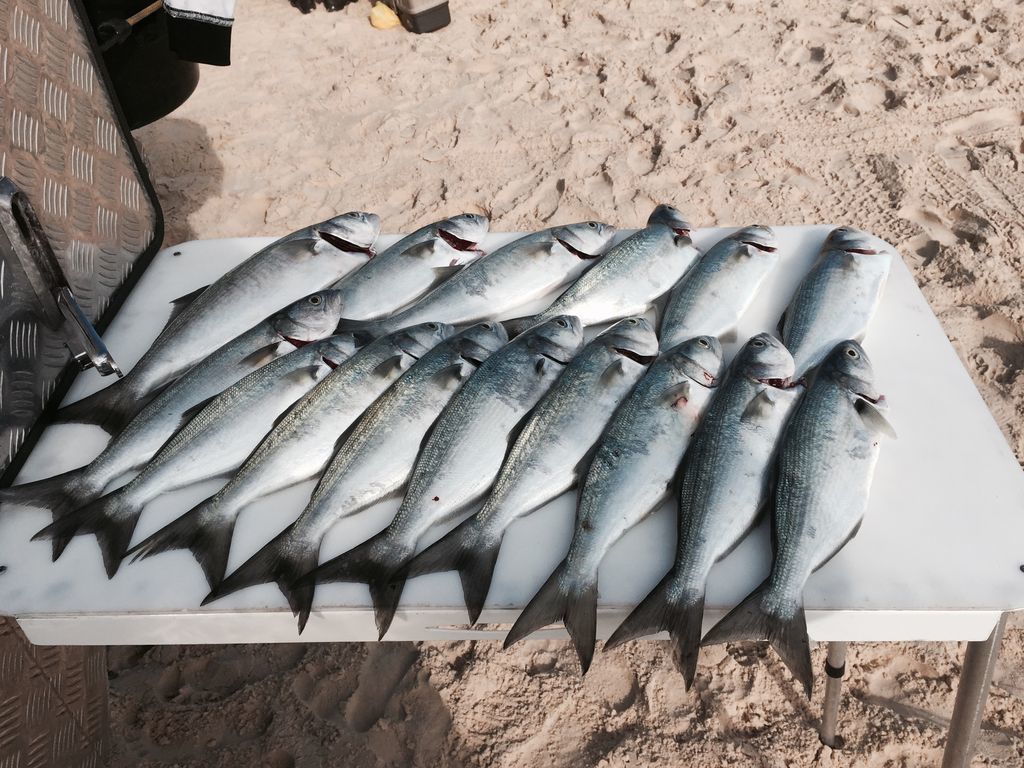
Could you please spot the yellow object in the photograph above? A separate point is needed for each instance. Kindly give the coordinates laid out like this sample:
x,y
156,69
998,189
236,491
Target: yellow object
x,y
382,17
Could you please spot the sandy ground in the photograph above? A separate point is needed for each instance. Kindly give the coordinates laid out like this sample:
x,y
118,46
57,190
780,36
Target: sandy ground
x,y
904,121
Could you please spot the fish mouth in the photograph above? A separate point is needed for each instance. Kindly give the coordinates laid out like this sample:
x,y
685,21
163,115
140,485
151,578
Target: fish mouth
x,y
863,251
579,254
636,356
457,242
710,378
345,245
760,246
295,342
681,231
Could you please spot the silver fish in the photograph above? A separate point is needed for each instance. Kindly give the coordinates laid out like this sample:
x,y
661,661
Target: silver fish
x,y
372,464
548,456
823,481
305,261
837,298
460,459
297,448
496,284
308,319
713,296
723,487
629,476
414,265
631,276
212,444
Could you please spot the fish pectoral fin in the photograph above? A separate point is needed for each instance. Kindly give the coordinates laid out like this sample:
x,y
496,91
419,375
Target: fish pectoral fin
x,y
304,374
455,372
759,406
781,326
873,417
613,371
541,365
261,356
443,273
729,336
181,303
676,395
391,366
195,410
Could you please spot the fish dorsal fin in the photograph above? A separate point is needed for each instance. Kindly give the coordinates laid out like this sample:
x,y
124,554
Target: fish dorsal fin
x,y
873,417
182,303
760,406
613,372
261,356
677,395
395,364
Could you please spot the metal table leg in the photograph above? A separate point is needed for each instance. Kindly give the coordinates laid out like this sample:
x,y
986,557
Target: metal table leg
x,y
971,693
835,668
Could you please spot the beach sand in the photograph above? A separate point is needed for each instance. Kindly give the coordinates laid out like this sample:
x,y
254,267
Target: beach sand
x,y
906,121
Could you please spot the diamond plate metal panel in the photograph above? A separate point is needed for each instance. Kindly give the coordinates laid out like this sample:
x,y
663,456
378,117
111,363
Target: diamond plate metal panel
x,y
63,143
53,704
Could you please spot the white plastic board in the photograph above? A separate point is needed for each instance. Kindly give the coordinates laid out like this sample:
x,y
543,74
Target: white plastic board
x,y
938,556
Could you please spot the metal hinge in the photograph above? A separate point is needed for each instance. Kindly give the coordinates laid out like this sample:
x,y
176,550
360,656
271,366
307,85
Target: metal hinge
x,y
25,247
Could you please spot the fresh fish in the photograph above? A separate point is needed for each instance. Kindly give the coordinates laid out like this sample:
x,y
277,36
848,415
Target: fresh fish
x,y
460,458
837,298
823,479
308,319
411,267
723,487
496,284
713,296
212,444
630,277
297,448
629,476
294,266
548,456
373,463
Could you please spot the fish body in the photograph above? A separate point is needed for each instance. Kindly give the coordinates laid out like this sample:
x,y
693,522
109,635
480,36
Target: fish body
x,y
549,454
285,271
460,459
823,480
724,484
410,268
309,319
298,447
630,474
496,284
213,443
632,275
837,298
720,287
373,463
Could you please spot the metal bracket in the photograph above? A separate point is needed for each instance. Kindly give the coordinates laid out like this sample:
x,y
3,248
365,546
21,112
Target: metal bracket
x,y
25,247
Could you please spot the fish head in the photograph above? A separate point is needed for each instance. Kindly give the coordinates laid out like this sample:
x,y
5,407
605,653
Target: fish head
x,y
853,240
335,350
558,339
355,231
310,318
759,238
671,218
766,360
848,364
464,232
633,338
417,340
586,240
480,341
699,358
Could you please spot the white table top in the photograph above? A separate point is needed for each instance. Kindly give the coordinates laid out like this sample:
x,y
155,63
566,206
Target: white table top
x,y
938,556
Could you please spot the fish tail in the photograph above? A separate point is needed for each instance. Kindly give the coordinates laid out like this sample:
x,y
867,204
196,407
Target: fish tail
x,y
517,325
110,409
282,560
200,530
787,633
111,518
567,600
378,562
468,550
59,494
681,617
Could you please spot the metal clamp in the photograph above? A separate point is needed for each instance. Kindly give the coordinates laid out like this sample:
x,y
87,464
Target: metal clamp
x,y
25,247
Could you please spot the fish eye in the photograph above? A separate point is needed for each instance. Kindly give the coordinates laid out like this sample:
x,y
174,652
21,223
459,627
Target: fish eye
x,y
704,343
563,323
592,225
432,326
852,352
757,343
634,321
315,300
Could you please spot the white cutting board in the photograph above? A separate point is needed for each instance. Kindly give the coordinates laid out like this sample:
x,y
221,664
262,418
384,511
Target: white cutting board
x,y
938,556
